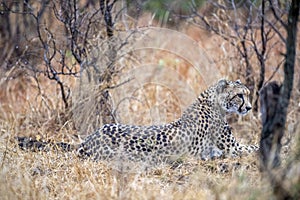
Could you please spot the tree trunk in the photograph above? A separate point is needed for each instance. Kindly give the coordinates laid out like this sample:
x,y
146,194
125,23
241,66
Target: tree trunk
x,y
274,107
274,104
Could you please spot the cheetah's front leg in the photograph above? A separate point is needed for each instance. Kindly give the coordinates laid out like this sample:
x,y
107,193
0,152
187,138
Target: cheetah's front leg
x,y
246,148
233,148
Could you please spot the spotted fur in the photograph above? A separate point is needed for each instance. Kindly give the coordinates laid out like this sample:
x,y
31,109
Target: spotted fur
x,y
201,132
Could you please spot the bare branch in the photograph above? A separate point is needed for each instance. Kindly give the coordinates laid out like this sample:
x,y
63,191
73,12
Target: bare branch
x,y
276,15
276,30
274,72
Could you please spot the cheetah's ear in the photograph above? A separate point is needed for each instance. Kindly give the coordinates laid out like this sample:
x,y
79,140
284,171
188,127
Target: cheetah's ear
x,y
222,84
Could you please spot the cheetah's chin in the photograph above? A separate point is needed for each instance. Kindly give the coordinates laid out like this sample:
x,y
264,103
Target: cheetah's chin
x,y
243,113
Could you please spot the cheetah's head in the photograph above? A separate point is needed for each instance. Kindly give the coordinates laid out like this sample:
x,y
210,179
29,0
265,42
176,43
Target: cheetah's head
x,y
233,97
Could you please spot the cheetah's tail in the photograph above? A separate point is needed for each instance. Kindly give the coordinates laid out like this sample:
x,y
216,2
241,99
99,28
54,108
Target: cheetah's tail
x,y
27,143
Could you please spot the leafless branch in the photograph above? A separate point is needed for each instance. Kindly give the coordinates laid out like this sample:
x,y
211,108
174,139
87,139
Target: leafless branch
x,y
274,72
275,13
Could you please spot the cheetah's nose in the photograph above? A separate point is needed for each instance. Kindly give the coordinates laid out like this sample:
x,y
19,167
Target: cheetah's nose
x,y
248,108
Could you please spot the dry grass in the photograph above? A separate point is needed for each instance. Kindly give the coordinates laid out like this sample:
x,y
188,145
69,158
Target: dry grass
x,y
57,175
167,85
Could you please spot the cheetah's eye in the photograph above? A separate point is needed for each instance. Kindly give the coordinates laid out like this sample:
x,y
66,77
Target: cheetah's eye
x,y
240,96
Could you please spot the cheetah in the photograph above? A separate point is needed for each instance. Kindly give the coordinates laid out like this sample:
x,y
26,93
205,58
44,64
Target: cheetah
x,y
201,132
